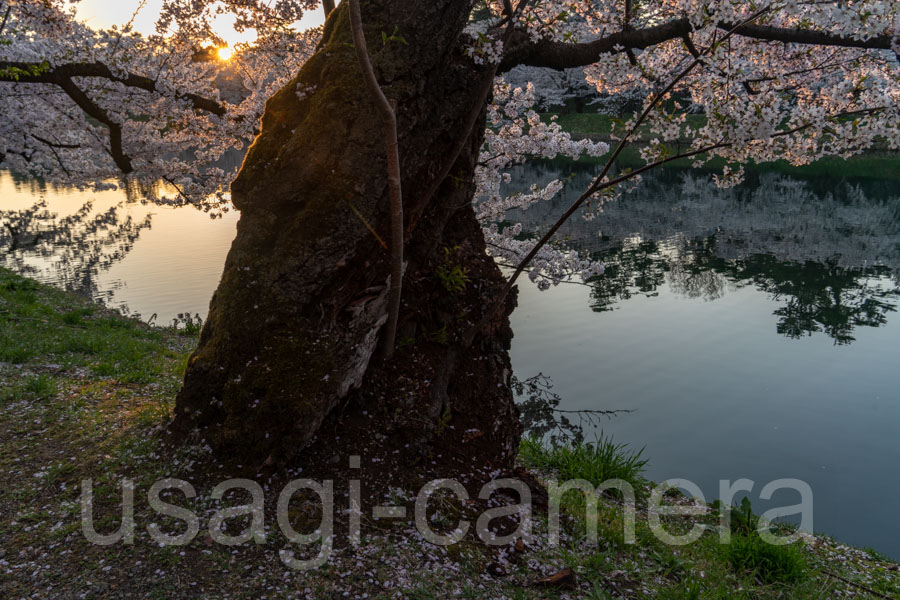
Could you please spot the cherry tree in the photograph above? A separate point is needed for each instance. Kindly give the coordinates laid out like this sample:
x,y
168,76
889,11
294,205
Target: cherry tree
x,y
294,325
91,107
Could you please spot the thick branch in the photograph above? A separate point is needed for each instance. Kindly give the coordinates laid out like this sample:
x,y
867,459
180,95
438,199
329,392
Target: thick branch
x,y
806,36
562,55
67,71
92,110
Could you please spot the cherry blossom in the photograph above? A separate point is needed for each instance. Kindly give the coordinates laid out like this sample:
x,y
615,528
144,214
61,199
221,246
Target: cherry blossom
x,y
785,79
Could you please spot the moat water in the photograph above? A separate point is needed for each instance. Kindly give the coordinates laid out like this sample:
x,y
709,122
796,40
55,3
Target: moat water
x,y
751,332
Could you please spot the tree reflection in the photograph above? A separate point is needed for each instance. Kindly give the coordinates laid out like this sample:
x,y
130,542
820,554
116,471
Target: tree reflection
x,y
827,251
634,269
820,297
70,251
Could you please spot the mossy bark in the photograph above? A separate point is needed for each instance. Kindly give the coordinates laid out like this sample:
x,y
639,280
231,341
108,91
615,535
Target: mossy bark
x,y
294,323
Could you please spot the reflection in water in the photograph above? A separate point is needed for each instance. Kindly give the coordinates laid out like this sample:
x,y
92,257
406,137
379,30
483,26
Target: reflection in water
x,y
817,296
829,257
828,254
822,297
70,251
100,243
714,394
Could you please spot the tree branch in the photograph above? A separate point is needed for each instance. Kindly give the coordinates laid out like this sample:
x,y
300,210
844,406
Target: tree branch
x,y
327,7
479,99
562,55
91,109
67,71
5,18
388,110
62,75
805,36
599,183
25,157
53,146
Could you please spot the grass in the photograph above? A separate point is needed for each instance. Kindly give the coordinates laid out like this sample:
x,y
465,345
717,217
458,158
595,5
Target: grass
x,y
31,388
47,326
601,126
746,568
594,462
84,391
766,562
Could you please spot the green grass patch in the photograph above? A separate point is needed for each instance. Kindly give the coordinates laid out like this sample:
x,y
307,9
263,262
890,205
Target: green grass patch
x,y
42,325
598,125
595,462
35,387
748,552
769,563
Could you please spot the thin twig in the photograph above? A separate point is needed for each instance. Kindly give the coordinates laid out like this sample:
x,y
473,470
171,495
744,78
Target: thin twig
x,y
53,146
369,226
599,183
857,585
388,110
5,18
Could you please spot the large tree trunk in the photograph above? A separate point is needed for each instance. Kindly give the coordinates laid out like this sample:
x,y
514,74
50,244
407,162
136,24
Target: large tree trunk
x,y
293,328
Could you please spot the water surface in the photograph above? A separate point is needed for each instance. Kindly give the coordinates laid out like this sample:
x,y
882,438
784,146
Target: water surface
x,y
751,331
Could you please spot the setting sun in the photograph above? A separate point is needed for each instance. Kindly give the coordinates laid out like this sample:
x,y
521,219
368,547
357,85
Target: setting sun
x,y
225,53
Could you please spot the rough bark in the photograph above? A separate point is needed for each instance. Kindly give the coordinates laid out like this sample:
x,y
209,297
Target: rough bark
x,y
295,320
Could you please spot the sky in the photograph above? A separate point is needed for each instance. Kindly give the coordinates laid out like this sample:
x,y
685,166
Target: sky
x,y
103,14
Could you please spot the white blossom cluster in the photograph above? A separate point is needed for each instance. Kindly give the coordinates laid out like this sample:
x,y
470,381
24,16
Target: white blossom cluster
x,y
755,98
553,263
761,101
515,134
486,47
165,135
552,88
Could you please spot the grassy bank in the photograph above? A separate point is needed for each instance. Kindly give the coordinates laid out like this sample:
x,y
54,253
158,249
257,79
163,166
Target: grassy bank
x,y
84,393
600,127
